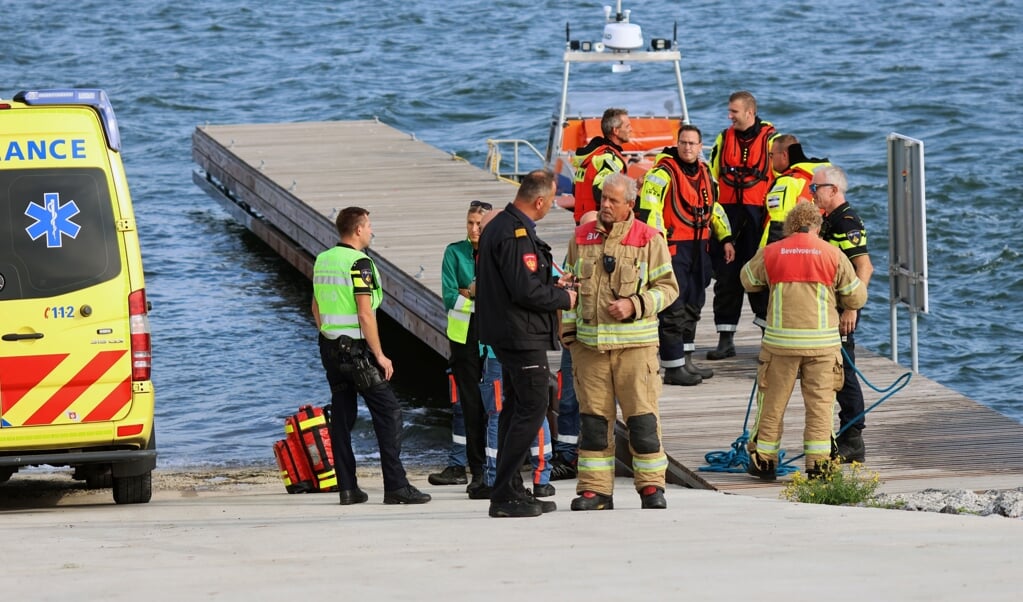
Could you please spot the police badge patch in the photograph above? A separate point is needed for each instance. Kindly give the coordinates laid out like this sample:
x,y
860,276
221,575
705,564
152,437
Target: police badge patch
x,y
530,260
367,276
855,237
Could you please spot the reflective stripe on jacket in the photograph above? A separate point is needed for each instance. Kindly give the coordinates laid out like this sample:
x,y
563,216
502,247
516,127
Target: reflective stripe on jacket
x,y
805,276
641,272
685,211
333,276
791,187
593,163
458,270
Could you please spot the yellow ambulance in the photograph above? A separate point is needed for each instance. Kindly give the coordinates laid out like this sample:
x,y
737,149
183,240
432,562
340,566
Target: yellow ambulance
x,y
75,351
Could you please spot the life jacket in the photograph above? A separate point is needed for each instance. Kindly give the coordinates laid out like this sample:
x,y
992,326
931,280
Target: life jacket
x,y
692,197
743,167
593,163
334,290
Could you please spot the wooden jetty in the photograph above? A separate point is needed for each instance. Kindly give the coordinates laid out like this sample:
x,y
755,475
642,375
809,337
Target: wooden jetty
x,y
285,182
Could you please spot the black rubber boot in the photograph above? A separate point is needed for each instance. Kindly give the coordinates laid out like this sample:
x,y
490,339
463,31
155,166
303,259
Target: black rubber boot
x,y
725,349
850,446
764,469
694,369
680,376
591,500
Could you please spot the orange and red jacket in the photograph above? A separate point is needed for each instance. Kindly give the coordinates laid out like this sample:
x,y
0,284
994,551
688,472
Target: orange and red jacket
x,y
594,162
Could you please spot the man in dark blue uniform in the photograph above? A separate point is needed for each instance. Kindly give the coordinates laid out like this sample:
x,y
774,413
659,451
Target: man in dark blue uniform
x,y
843,228
517,304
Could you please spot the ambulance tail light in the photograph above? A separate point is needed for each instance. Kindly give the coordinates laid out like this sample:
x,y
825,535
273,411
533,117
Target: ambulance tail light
x,y
141,341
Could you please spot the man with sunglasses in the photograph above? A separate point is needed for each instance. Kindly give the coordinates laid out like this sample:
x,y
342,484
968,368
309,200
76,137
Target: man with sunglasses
x,y
844,229
624,276
517,312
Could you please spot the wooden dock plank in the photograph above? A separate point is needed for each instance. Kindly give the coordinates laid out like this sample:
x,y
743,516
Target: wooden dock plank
x,y
295,176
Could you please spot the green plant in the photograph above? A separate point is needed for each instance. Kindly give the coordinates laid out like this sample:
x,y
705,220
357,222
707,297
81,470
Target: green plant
x,y
835,485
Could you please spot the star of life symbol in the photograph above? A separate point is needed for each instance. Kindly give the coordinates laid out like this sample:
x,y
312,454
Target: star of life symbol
x,y
52,219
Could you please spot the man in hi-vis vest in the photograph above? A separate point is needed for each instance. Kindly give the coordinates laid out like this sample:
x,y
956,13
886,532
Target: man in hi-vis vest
x,y
346,295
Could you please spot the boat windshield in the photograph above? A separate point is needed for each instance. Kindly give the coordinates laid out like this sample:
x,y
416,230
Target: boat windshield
x,y
587,104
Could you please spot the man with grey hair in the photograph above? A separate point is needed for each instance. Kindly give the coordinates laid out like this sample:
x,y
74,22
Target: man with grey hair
x,y
623,271
806,278
844,229
603,155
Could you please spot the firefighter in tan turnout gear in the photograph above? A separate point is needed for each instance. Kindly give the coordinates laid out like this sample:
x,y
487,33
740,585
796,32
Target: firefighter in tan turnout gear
x,y
808,279
623,272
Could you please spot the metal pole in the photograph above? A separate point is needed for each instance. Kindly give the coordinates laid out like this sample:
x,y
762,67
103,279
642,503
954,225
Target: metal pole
x,y
681,91
559,130
894,331
912,341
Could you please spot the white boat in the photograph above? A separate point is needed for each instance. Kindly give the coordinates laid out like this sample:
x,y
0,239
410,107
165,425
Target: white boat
x,y
655,115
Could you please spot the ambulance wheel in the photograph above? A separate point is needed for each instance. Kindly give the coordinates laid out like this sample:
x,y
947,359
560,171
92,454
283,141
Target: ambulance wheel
x,y
137,489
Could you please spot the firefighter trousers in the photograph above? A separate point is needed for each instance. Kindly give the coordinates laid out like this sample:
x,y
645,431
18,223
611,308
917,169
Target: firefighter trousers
x,y
630,377
820,377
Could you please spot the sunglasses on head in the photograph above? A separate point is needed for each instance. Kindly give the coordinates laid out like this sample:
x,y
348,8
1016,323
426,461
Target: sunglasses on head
x,y
481,204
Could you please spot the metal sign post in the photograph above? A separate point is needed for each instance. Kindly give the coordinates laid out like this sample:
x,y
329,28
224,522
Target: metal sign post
x,y
907,236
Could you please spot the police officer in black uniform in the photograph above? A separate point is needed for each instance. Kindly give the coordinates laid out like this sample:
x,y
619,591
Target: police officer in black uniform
x,y
517,303
844,229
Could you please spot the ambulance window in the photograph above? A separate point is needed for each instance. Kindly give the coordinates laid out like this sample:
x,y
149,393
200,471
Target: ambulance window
x,y
57,232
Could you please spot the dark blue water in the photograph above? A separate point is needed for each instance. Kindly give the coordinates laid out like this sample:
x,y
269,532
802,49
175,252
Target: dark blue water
x,y
234,345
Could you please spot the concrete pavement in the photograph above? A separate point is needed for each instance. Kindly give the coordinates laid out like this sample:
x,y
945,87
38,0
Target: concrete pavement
x,y
258,543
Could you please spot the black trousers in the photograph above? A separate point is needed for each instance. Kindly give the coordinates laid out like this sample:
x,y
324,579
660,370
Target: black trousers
x,y
525,376
850,398
747,227
384,410
677,322
467,368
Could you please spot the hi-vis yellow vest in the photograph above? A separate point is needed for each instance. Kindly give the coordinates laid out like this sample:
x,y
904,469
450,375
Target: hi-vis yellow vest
x,y
458,319
334,291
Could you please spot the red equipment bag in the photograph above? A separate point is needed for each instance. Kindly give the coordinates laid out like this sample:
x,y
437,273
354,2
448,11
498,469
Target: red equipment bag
x,y
295,480
307,442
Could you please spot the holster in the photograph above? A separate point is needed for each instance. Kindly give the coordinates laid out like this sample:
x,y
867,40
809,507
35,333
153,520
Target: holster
x,y
355,359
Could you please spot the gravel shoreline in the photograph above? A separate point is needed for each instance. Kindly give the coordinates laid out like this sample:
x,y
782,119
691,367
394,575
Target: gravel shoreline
x,y
1008,503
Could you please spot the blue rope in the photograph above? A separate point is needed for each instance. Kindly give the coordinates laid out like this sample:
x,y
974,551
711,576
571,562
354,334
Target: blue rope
x,y
737,458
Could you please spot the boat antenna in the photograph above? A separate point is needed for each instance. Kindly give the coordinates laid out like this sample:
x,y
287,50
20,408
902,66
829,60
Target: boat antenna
x,y
674,34
568,35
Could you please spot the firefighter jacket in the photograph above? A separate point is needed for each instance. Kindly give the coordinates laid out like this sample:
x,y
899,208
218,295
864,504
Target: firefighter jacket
x,y
791,187
630,261
458,270
340,272
740,163
594,162
678,200
807,278
517,299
